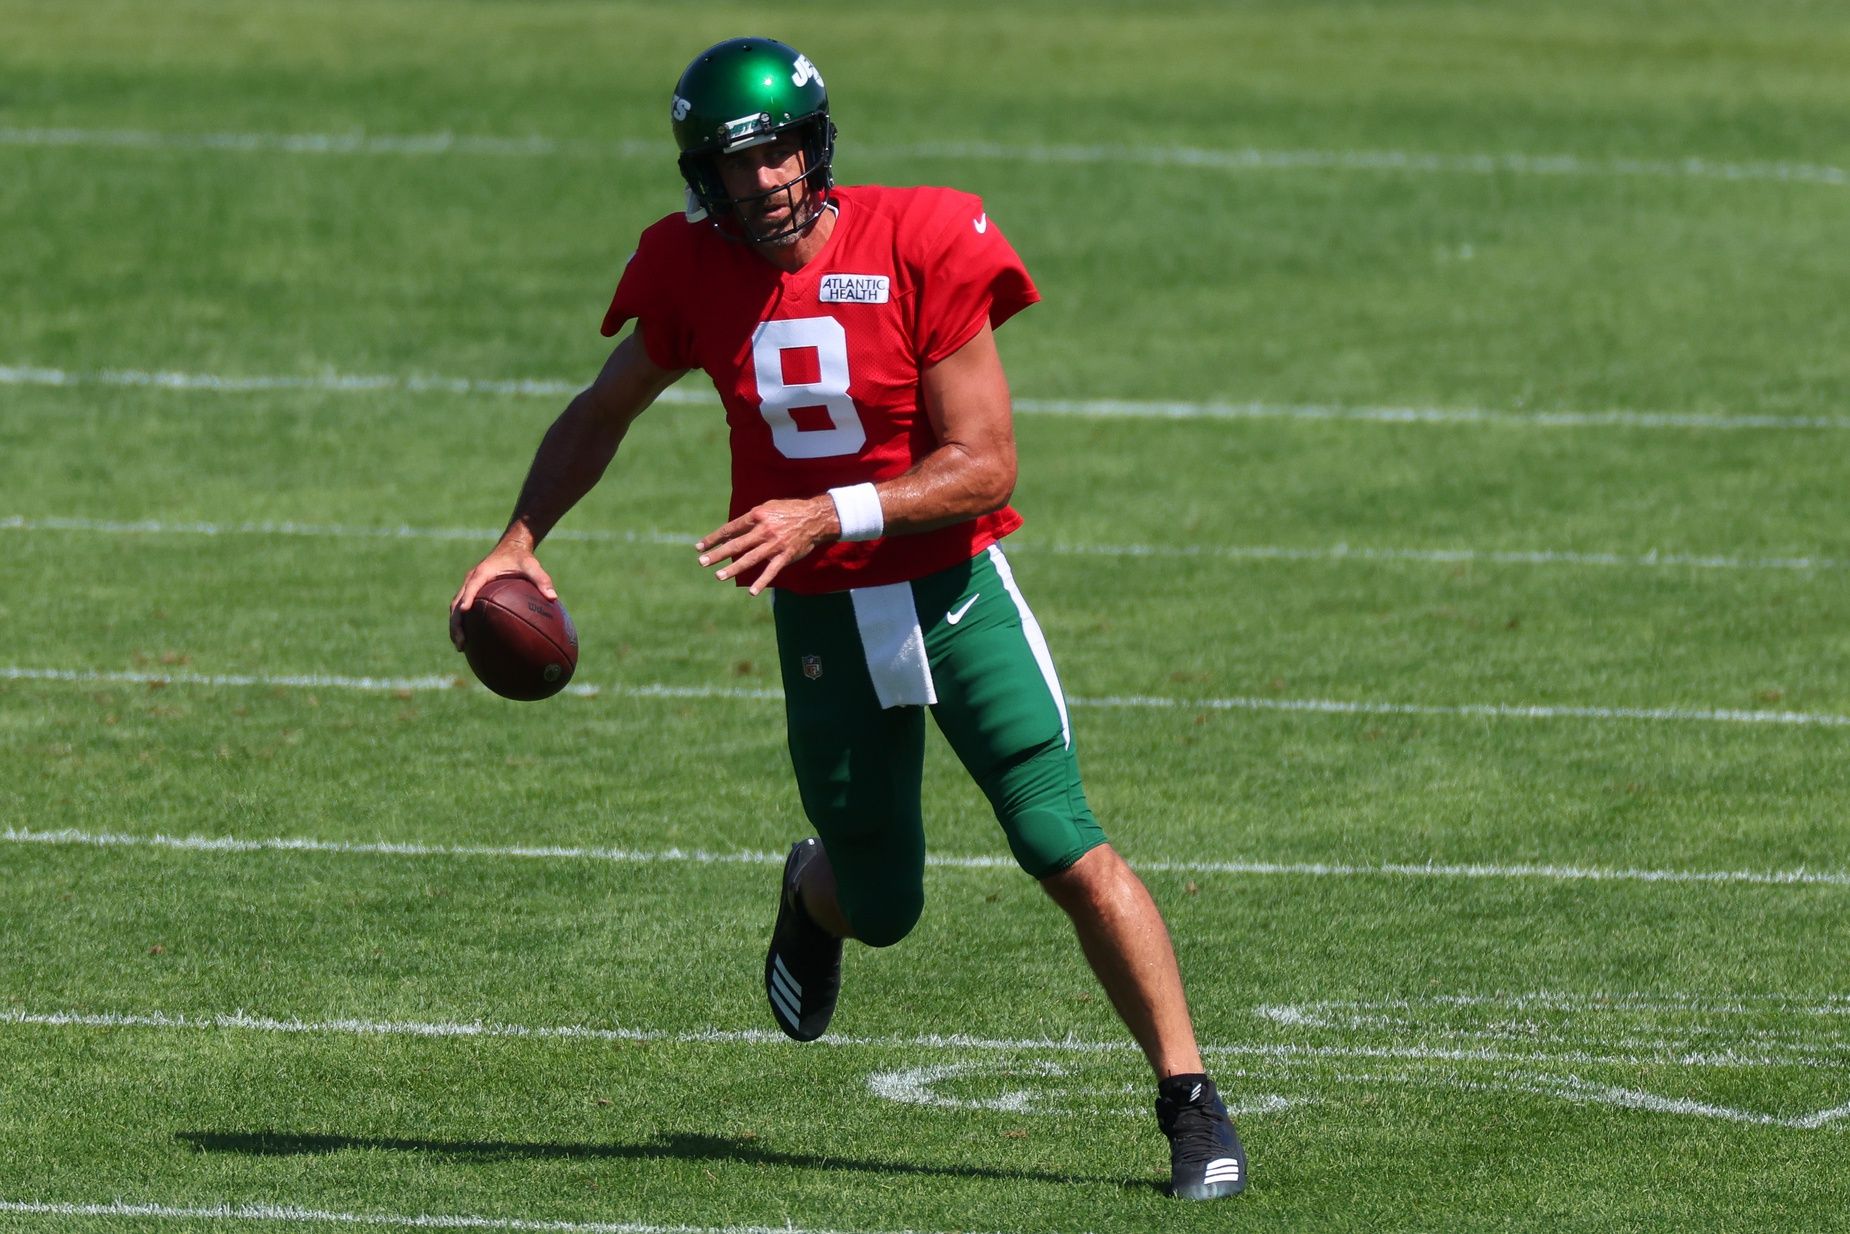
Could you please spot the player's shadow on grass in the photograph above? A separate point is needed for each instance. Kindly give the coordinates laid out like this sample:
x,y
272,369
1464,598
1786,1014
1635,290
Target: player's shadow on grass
x,y
678,1145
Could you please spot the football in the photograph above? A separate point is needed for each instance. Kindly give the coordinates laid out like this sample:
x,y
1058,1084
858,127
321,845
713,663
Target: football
x,y
520,644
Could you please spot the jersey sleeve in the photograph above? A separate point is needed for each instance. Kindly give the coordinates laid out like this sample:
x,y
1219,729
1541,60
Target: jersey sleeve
x,y
647,294
970,274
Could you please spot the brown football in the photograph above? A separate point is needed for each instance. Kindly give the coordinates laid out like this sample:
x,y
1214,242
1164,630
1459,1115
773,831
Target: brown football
x,y
520,644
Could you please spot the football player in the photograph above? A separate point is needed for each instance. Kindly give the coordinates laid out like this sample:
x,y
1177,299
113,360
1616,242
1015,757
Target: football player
x,y
849,332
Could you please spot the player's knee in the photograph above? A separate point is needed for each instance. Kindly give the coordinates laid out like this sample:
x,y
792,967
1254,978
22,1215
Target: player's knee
x,y
1049,842
882,919
1038,800
1085,884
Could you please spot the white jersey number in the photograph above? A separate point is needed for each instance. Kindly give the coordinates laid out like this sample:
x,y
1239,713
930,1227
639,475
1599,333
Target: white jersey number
x,y
778,398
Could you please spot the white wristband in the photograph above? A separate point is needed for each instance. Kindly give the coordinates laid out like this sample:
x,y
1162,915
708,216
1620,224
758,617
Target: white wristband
x,y
858,507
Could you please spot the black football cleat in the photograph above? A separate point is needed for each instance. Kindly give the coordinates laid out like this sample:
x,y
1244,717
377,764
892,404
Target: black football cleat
x,y
1206,1161
802,971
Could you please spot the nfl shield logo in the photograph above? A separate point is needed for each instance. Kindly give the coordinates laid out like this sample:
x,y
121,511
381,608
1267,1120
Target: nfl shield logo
x,y
812,667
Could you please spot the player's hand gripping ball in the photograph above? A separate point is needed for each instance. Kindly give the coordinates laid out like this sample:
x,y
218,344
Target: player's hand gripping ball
x,y
520,644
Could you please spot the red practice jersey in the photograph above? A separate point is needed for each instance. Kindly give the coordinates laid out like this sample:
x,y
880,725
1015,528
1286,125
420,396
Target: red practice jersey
x,y
820,370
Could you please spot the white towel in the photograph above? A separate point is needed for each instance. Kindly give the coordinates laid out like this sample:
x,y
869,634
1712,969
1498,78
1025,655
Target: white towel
x,y
894,645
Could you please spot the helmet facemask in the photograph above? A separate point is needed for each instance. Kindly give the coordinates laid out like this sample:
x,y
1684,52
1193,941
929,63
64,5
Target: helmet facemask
x,y
734,214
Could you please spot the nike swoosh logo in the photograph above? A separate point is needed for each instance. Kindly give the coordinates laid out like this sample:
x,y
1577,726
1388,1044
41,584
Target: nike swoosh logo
x,y
957,614
981,224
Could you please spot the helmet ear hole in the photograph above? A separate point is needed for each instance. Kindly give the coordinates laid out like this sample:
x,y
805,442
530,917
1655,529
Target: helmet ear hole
x,y
705,189
819,151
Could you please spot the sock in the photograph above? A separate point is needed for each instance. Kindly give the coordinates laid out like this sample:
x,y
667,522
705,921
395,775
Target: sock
x,y
1185,1089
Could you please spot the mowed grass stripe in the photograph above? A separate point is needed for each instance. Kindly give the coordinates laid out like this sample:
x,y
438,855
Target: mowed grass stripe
x,y
608,989
317,458
1109,409
1223,159
1147,640
457,768
685,540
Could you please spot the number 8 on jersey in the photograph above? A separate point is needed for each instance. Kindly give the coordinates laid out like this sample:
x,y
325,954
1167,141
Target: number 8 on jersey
x,y
772,342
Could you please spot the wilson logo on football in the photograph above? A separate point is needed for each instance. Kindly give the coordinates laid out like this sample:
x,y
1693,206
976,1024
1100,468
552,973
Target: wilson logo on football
x,y
854,289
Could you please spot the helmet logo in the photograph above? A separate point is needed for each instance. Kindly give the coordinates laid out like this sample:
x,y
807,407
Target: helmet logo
x,y
804,72
681,107
737,134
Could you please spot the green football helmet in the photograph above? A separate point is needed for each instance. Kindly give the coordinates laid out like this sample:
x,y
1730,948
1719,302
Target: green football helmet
x,y
744,93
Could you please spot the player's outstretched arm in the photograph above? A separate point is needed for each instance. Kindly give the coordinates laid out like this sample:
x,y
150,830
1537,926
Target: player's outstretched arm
x,y
969,473
570,461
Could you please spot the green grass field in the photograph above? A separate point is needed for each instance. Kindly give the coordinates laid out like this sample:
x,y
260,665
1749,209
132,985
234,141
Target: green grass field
x,y
1433,454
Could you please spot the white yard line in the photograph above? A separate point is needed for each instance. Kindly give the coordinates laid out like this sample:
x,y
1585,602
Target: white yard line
x,y
1219,158
1821,1118
1296,869
1684,1024
1409,162
356,383
298,1215
338,531
1440,556
1583,1092
1122,702
1579,1091
1549,1000
685,540
391,685
1477,1068
353,142
329,383
1284,1053
323,681
1494,711
1222,410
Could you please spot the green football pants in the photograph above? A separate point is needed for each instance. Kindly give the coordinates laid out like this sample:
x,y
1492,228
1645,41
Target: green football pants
x,y
859,764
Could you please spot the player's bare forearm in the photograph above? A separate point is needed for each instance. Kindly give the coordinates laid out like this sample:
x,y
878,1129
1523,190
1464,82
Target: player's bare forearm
x,y
571,459
952,484
578,447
